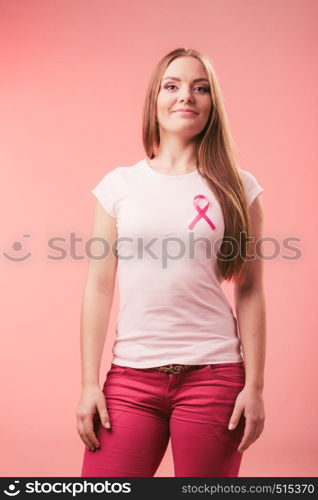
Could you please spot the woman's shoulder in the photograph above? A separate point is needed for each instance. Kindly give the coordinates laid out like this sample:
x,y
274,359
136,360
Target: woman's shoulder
x,y
121,172
251,185
246,175
249,179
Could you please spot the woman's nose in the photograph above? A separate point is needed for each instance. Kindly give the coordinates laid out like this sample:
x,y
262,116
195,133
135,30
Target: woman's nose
x,y
185,97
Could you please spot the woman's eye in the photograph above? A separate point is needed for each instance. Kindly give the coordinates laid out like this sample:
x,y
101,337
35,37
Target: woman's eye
x,y
205,89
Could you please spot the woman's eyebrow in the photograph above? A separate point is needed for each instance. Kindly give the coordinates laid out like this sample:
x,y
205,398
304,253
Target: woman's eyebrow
x,y
178,79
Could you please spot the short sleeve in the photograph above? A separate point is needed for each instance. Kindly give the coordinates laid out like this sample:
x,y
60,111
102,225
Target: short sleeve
x,y
252,187
104,192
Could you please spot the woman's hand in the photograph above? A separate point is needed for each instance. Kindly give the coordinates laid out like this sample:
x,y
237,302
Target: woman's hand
x,y
251,402
92,398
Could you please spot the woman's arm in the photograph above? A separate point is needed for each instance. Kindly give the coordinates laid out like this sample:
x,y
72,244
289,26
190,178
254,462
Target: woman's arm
x,y
96,307
250,307
98,294
250,312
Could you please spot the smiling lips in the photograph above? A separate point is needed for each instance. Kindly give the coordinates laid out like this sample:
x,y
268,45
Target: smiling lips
x,y
186,110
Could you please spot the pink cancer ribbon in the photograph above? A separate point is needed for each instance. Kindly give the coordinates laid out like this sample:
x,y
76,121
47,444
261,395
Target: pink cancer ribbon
x,y
201,212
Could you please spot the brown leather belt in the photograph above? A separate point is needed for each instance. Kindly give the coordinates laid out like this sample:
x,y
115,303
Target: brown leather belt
x,y
174,368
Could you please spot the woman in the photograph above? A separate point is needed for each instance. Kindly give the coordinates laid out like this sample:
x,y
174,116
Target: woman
x,y
176,224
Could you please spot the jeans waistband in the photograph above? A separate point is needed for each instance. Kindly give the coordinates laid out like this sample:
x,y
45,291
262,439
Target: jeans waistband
x,y
173,368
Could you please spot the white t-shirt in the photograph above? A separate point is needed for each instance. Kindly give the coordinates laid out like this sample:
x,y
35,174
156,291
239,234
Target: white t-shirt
x,y
172,306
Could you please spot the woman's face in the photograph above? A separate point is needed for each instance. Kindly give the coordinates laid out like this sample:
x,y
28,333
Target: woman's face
x,y
183,91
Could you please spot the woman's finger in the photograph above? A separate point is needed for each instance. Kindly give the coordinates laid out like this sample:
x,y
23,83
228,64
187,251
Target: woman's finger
x,y
248,433
89,430
80,430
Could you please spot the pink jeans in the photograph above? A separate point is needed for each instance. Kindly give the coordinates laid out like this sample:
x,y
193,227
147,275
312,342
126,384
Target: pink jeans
x,y
146,408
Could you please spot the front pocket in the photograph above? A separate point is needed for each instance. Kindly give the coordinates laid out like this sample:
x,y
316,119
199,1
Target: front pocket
x,y
233,372
117,369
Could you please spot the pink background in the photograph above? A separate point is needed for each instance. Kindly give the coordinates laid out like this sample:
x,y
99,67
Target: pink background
x,y
74,77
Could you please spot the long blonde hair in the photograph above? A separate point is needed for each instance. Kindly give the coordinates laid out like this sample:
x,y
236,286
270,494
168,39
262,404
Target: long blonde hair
x,y
215,156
